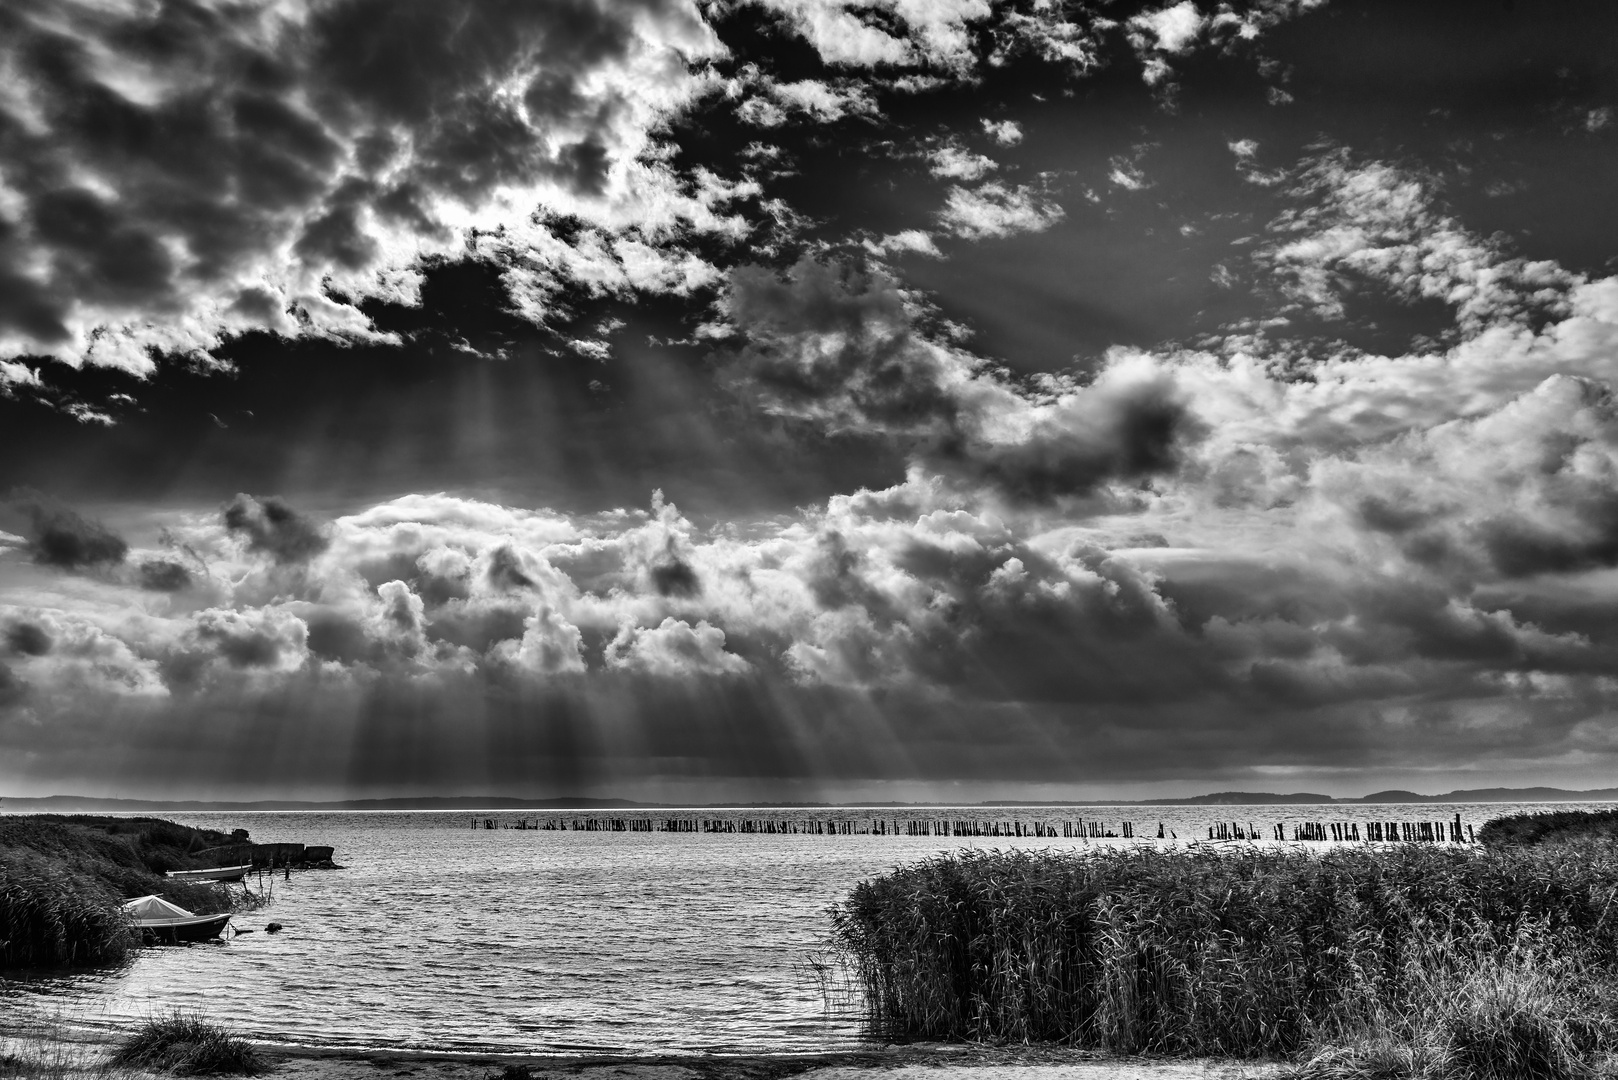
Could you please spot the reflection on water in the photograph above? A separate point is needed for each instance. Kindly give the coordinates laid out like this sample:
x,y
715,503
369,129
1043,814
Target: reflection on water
x,y
439,935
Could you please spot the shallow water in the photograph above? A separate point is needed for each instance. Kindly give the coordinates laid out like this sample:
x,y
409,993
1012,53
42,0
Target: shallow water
x,y
437,935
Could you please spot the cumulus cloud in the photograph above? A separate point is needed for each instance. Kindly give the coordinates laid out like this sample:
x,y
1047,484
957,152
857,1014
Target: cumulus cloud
x,y
919,603
993,211
959,163
674,648
1172,29
1004,132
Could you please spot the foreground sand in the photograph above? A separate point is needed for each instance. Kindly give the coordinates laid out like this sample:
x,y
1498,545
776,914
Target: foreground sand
x,y
81,1058
913,1062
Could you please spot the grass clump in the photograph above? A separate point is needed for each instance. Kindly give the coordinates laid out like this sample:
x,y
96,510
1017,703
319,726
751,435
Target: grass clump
x,y
188,1045
1413,963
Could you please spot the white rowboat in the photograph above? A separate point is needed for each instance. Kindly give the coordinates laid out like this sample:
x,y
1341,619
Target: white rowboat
x,y
159,920
217,873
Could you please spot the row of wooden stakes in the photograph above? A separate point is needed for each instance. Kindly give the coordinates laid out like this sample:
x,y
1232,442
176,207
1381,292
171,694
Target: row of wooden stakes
x,y
1414,831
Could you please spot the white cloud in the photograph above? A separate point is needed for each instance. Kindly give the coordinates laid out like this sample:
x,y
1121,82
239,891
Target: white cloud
x,y
994,210
1004,132
958,163
1174,29
674,648
914,241
1374,220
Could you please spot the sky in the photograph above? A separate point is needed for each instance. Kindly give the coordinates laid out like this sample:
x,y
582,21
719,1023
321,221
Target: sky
x,y
807,400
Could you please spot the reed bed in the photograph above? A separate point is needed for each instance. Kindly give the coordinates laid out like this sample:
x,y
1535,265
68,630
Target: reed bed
x,y
61,880
1547,827
1242,953
52,914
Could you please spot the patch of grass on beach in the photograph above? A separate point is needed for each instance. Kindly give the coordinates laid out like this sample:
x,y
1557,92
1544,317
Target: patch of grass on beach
x,y
1413,962
188,1045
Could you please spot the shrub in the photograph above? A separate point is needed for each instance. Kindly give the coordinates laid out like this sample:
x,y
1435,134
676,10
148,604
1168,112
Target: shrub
x,y
189,1045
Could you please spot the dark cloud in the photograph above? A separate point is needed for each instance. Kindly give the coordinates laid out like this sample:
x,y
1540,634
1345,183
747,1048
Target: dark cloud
x,y
12,688
839,347
1133,433
27,639
506,572
333,636
60,537
477,629
835,341
164,575
271,526
676,578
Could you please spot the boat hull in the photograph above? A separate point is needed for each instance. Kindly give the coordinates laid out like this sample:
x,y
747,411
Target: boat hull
x,y
175,931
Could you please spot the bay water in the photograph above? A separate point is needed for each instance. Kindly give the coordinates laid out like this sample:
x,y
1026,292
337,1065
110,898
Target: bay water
x,y
439,934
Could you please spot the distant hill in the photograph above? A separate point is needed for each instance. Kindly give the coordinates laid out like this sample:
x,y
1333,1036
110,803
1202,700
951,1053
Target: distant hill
x,y
1527,795
86,804
1247,798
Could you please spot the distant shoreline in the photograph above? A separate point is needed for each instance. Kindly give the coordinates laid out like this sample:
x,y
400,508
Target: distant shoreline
x,y
469,803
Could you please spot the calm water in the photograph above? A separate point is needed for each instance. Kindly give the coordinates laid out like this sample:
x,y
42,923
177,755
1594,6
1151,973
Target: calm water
x,y
440,936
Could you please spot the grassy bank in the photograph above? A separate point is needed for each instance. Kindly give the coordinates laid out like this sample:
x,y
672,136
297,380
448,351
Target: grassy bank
x,y
1420,952
61,880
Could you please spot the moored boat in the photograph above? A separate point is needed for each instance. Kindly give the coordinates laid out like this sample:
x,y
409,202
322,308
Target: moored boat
x,y
158,920
216,873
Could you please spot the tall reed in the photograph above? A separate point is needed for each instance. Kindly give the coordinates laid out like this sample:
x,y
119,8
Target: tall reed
x,y
1253,953
51,914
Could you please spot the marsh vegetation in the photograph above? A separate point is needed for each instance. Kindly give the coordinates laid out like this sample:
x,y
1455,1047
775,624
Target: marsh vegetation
x,y
1415,961
62,878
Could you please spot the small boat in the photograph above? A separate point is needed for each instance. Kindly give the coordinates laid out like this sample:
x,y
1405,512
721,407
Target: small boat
x,y
216,873
158,920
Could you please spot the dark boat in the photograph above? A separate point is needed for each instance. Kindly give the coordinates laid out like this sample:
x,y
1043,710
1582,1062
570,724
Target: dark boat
x,y
160,921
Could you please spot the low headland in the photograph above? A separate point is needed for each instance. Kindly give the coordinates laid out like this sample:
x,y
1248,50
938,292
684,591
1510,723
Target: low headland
x,y
1354,961
63,880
